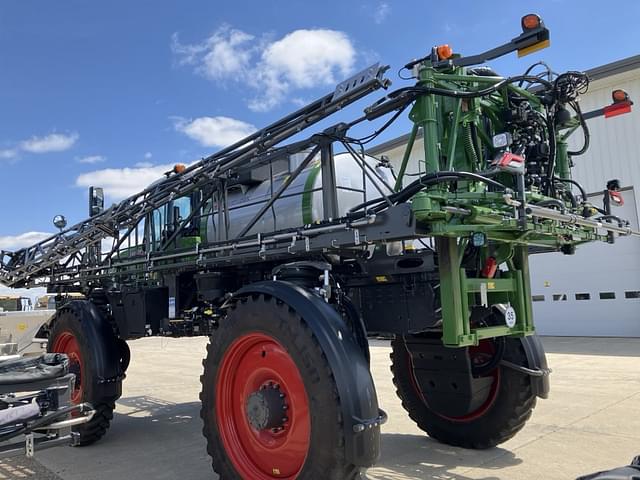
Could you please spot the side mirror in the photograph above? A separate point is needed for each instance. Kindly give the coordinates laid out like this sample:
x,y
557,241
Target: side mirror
x,y
59,222
96,201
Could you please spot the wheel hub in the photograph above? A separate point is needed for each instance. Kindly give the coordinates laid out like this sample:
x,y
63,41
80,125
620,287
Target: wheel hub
x,y
266,408
262,409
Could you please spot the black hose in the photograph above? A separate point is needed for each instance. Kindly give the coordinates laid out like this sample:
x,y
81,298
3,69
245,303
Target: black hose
x,y
429,179
404,96
613,217
552,157
484,92
548,71
484,369
585,131
469,145
572,198
583,192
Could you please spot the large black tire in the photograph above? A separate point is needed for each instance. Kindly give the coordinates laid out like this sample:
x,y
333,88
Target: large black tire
x,y
66,328
512,406
257,316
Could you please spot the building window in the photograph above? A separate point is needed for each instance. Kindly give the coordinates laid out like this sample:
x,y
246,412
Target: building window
x,y
537,298
607,295
559,297
632,294
583,296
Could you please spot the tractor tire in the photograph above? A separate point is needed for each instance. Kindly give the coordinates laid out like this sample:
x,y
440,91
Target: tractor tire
x,y
125,354
270,405
505,411
68,336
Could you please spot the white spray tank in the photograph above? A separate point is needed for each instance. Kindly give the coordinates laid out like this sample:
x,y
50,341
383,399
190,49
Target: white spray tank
x,y
302,202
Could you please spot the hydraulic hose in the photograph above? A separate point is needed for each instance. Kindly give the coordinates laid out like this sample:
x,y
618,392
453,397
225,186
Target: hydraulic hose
x,y
583,192
426,180
469,145
403,96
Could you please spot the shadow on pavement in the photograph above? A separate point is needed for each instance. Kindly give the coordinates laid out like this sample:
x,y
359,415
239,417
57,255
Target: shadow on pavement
x,y
419,457
159,440
149,439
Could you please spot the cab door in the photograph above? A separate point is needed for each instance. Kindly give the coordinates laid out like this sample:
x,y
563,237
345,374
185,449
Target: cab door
x,y
170,218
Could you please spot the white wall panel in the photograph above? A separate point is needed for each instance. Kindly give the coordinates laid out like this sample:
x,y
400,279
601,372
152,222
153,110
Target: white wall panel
x,y
615,142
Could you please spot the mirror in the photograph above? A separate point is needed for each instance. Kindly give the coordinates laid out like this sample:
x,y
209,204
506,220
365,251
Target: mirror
x,y
96,201
59,221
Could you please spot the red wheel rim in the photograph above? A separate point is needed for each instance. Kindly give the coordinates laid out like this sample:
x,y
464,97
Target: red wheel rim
x,y
253,362
67,343
485,348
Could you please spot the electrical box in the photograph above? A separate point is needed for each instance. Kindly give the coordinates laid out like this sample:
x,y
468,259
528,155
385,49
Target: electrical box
x,y
139,312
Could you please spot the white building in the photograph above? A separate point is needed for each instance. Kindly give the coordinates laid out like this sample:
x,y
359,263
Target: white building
x,y
595,292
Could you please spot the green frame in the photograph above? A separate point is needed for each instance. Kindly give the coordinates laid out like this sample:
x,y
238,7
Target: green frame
x,y
445,124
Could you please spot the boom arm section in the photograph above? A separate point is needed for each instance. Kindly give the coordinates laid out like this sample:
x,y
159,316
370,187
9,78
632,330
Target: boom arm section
x,y
70,249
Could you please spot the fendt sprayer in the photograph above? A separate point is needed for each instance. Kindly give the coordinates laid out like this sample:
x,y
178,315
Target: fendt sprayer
x,y
286,255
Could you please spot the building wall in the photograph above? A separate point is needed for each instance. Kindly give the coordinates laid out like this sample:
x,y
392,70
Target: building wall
x,y
614,150
596,292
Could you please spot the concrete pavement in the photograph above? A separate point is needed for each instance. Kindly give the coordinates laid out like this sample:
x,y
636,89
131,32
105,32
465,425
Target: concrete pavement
x,y
591,422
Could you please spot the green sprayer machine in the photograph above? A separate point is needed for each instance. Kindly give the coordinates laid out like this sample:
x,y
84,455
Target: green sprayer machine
x,y
287,254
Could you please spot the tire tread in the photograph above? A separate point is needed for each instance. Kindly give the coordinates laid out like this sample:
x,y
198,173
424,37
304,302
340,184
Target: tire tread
x,y
511,421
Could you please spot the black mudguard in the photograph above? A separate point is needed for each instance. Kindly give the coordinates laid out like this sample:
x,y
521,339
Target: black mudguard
x,y
357,392
537,360
106,352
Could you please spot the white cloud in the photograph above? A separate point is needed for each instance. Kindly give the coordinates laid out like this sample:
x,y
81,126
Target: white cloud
x,y
228,51
119,183
381,12
148,155
16,242
214,131
301,59
143,165
91,159
8,154
54,142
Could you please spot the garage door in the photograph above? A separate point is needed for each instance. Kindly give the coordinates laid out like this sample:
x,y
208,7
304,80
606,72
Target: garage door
x,y
595,292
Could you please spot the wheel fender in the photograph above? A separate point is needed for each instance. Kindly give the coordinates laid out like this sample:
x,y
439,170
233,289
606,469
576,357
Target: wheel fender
x,y
537,360
358,399
106,354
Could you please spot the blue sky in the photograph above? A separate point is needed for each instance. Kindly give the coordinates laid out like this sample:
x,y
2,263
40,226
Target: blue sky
x,y
90,88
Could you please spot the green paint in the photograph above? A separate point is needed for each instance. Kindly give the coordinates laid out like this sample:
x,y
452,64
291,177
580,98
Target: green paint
x,y
446,123
307,194
405,158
